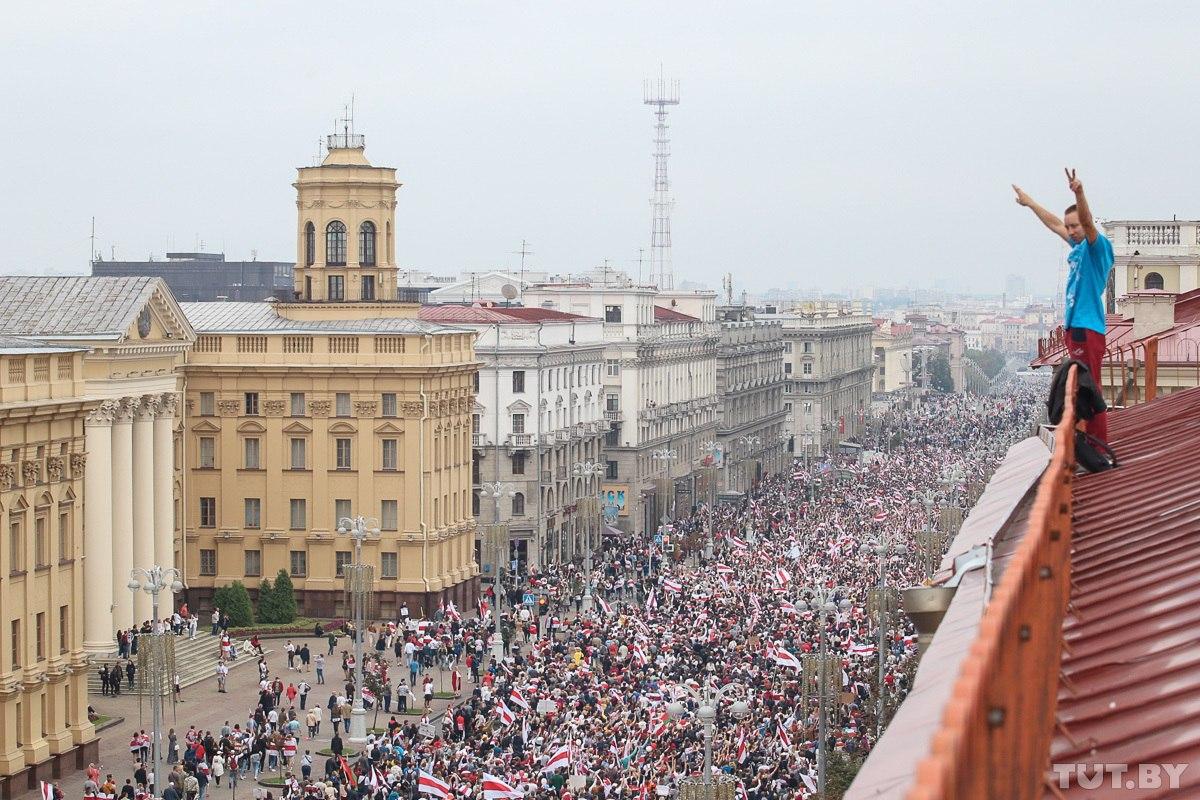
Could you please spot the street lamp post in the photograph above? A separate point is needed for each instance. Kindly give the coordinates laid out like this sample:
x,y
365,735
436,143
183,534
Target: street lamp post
x,y
156,651
748,443
885,546
665,455
708,698
716,454
824,602
496,491
359,578
591,472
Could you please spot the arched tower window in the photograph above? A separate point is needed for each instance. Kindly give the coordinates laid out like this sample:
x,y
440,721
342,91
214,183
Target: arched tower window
x,y
310,244
366,244
335,244
518,505
1154,280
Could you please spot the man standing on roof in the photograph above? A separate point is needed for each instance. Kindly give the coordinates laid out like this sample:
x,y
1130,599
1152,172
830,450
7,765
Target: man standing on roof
x,y
1091,260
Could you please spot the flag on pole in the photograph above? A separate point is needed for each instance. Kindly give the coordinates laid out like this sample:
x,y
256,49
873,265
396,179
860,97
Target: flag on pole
x,y
862,650
742,749
784,735
672,586
518,699
782,576
507,717
787,607
638,655
427,784
738,543
785,659
651,601
561,758
496,789
604,606
724,570
349,773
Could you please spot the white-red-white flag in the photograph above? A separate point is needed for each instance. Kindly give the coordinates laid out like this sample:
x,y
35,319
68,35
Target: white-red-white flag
x,y
561,758
496,789
722,569
507,717
47,790
672,586
785,659
427,784
787,607
518,699
862,650
604,606
782,577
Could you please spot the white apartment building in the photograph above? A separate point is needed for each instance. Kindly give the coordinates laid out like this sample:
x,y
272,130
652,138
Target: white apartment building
x,y
1153,254
660,387
892,343
538,412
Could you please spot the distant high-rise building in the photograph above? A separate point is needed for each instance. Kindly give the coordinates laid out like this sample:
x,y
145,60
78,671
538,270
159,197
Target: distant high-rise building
x,y
204,277
1014,287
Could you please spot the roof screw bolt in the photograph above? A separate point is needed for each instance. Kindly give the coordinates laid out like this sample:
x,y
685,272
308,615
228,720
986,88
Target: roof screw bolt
x,y
1024,633
1044,573
1055,535
995,717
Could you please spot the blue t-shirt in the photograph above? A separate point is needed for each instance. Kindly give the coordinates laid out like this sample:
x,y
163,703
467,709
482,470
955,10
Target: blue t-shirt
x,y
1090,265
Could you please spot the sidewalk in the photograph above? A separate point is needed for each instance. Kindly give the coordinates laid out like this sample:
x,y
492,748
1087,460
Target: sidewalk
x,y
207,709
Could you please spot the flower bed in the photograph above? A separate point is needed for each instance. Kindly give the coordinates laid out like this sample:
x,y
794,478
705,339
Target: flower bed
x,y
301,626
346,752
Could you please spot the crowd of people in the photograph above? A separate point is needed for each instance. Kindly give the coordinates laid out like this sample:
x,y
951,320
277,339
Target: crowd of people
x,y
604,701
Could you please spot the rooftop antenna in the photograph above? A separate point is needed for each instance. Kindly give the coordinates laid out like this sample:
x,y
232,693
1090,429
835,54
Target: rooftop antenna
x,y
660,95
641,254
524,251
727,282
92,253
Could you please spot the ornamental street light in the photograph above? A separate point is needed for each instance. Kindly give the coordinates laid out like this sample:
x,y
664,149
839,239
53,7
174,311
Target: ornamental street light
x,y
591,472
496,491
825,602
359,578
708,698
665,455
748,443
715,458
885,546
156,655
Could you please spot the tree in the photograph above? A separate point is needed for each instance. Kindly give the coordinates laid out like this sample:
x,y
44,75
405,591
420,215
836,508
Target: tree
x,y
285,598
234,600
939,372
266,601
990,361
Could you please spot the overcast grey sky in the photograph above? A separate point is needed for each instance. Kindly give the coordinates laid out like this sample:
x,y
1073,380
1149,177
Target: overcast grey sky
x,y
817,144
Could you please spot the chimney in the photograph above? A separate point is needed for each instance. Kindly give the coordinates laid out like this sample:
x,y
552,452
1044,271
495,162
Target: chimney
x,y
1153,311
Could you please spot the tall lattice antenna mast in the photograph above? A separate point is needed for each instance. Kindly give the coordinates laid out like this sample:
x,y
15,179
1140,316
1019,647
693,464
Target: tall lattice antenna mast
x,y
660,94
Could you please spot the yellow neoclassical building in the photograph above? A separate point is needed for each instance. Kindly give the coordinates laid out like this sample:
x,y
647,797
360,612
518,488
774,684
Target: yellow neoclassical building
x,y
44,728
341,403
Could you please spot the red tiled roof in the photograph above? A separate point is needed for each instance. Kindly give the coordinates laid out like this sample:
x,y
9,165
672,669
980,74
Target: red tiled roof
x,y
671,315
1129,688
1179,344
504,315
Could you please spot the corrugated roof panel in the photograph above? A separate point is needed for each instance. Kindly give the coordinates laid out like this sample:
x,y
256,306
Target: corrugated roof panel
x,y
76,305
265,318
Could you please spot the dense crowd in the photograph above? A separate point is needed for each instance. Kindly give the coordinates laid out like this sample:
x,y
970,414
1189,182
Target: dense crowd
x,y
588,702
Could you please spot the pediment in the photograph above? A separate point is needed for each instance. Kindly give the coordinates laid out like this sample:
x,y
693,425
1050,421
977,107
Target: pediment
x,y
297,427
519,406
389,427
342,427
159,320
206,426
252,426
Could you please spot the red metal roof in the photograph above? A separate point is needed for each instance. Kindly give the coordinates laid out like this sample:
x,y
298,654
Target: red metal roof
x,y
505,315
1129,688
671,315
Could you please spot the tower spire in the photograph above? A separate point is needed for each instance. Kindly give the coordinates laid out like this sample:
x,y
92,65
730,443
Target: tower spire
x,y
660,95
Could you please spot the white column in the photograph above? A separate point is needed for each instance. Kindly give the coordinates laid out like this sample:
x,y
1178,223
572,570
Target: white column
x,y
143,497
98,626
122,512
164,493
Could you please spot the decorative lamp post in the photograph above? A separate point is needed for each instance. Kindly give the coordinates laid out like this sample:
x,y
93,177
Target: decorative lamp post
x,y
885,546
665,455
156,656
716,456
825,602
708,698
748,443
359,579
591,472
496,491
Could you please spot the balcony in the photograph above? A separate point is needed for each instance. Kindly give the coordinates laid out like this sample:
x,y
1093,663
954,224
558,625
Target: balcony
x,y
613,415
517,440
561,436
479,440
546,476
579,430
560,473
649,413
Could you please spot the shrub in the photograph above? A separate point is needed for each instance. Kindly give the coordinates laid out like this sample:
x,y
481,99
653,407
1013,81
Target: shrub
x,y
234,600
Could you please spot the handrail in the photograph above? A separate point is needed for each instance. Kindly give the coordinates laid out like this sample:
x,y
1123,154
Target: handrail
x,y
995,733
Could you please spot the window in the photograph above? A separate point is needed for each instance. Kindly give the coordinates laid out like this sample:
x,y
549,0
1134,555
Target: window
x,y
298,566
335,244
389,404
297,404
64,630
337,288
475,381
208,404
388,565
612,313
15,644
787,347
253,448
476,420
40,555
253,512
808,347
299,453
610,470
1154,280
366,245
807,407
518,505
806,368
518,463
340,559
612,437
208,452
208,562
612,367
341,511
343,453
368,287
807,387
475,504
787,368
40,644
389,515
251,404
253,563
299,514
518,378
518,423
391,452
612,402
310,244
208,512
66,538
342,404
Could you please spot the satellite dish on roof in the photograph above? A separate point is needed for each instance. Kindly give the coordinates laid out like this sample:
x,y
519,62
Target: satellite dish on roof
x,y
508,291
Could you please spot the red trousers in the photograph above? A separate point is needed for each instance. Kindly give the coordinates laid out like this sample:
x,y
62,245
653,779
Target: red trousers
x,y
1088,347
